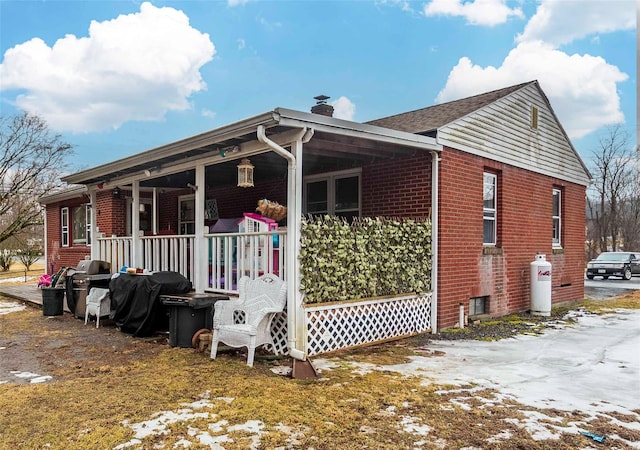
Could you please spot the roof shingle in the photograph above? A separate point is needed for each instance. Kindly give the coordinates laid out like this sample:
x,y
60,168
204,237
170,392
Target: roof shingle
x,y
431,118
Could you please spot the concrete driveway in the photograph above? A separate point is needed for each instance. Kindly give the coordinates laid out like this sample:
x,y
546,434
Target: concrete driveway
x,y
599,288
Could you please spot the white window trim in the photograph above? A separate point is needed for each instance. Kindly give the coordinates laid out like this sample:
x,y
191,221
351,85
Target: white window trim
x,y
494,210
330,177
64,226
557,244
88,218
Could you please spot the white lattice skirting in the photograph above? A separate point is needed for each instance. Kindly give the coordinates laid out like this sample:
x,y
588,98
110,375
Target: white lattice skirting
x,y
342,325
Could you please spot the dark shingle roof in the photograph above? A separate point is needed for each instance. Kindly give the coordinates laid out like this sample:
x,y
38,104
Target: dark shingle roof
x,y
427,119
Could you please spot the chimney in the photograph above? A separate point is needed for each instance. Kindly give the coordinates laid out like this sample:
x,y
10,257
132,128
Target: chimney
x,y
322,107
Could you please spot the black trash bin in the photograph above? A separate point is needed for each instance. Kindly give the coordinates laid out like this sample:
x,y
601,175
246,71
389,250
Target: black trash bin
x,y
52,301
189,313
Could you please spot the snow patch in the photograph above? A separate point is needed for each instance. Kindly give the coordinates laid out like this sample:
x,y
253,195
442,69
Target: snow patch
x,y
9,307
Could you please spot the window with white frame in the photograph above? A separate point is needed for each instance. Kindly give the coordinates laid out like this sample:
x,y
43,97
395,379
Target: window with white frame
x,y
79,221
489,209
75,225
557,217
64,226
337,194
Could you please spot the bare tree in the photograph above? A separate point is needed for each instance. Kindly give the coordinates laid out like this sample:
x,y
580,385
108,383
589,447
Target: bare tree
x,y
614,172
31,162
630,211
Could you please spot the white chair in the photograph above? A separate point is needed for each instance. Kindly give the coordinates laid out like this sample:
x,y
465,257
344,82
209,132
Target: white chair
x,y
98,304
246,322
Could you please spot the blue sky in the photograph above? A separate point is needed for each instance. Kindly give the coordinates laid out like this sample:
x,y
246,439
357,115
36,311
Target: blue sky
x,y
119,77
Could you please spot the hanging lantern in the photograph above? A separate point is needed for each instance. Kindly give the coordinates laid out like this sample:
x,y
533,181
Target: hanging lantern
x,y
245,173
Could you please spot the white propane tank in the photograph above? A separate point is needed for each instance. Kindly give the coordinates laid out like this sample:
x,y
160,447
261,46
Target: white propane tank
x,y
540,286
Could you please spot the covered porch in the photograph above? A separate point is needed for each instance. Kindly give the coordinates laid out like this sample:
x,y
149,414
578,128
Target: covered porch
x,y
190,216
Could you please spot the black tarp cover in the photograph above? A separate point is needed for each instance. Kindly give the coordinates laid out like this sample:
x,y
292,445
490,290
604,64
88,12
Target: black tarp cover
x,y
135,300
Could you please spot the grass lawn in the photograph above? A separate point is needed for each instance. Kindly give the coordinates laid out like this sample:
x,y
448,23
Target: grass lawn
x,y
109,390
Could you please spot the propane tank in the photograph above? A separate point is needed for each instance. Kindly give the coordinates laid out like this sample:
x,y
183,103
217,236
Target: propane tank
x,y
540,286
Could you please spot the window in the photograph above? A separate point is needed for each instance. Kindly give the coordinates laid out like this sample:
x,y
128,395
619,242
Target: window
x,y
64,226
79,232
187,214
489,210
75,225
335,194
557,217
478,305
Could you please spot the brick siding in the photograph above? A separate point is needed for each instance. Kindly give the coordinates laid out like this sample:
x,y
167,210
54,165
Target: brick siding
x,y
524,228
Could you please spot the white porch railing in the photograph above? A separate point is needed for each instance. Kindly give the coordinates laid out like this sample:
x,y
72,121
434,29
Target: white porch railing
x,y
116,250
233,255
230,256
169,253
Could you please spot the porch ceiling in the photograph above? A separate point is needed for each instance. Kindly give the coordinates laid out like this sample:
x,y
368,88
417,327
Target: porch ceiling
x,y
336,144
323,153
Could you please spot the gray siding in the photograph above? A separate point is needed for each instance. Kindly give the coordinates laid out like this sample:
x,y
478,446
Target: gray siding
x,y
502,131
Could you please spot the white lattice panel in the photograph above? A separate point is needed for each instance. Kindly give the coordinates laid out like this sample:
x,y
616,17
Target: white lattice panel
x,y
279,334
342,325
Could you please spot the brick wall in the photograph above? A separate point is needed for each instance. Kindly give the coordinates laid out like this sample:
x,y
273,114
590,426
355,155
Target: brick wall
x,y
111,218
397,188
58,256
524,228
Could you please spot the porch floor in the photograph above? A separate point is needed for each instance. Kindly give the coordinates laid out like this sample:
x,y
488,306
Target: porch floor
x,y
27,292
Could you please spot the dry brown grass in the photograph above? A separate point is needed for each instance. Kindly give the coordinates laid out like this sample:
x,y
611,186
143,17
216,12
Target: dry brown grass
x,y
103,378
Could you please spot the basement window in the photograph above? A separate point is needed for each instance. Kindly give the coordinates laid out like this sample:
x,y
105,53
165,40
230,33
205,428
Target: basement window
x,y
478,305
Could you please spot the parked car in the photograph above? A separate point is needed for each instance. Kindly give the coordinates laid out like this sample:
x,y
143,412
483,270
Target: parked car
x,y
620,264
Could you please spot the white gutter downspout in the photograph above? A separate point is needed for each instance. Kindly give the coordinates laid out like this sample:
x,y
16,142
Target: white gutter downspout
x,y
294,207
435,157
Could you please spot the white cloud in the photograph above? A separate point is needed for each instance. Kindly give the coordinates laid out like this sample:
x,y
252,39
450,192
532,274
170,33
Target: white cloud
x,y
476,12
581,88
269,26
134,67
562,22
232,3
208,113
241,44
404,5
343,108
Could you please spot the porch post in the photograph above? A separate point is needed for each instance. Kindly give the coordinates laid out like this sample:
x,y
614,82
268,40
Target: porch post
x,y
135,225
154,211
294,226
93,229
435,158
200,252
